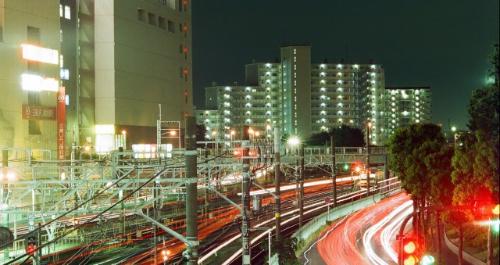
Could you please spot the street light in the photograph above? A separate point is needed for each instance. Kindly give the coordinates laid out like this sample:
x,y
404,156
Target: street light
x,y
453,128
293,141
9,176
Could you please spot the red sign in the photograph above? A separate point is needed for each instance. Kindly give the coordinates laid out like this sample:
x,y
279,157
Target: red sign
x,y
61,122
38,113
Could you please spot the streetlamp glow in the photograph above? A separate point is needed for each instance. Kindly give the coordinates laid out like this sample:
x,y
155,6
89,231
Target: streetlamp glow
x,y
293,141
453,128
11,176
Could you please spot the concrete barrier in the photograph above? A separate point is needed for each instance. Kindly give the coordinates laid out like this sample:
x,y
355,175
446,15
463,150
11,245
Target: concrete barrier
x,y
335,213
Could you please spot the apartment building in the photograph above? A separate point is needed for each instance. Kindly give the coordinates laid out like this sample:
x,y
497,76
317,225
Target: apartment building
x,y
301,97
405,105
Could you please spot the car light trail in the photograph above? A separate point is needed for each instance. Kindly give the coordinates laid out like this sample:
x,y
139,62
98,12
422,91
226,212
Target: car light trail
x,y
389,232
370,233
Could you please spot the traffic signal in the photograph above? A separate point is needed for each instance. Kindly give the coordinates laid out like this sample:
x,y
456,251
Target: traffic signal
x,y
31,245
409,251
346,167
427,260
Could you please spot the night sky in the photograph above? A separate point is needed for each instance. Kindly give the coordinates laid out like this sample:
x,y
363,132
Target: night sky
x,y
445,43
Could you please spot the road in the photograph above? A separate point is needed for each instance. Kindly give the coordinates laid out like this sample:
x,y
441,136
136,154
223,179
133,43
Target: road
x,y
365,237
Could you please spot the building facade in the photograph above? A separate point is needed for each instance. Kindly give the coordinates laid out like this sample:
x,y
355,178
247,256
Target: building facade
x,y
29,73
347,94
117,60
301,97
404,106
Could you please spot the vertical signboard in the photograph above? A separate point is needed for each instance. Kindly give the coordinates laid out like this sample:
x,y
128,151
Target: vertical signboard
x,y
61,122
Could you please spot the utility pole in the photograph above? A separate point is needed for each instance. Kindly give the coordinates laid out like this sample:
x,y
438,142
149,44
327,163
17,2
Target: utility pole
x,y
190,155
245,200
368,158
4,188
277,183
334,173
301,183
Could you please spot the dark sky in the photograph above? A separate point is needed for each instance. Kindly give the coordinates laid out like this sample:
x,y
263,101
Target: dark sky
x,y
442,43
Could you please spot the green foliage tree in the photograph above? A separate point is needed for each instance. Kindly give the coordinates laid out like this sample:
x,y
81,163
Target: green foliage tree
x,y
475,171
343,136
419,156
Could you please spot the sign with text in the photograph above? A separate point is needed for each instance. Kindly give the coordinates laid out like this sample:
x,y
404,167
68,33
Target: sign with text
x,y
61,122
31,112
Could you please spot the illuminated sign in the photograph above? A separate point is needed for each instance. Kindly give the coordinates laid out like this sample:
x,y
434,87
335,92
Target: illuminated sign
x,y
150,150
32,82
39,54
38,113
61,123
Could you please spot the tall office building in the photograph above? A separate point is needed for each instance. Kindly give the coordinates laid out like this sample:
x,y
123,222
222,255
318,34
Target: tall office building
x,y
29,73
117,60
404,106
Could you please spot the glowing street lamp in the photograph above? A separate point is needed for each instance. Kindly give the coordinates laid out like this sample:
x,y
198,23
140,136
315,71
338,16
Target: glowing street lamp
x,y
453,128
293,141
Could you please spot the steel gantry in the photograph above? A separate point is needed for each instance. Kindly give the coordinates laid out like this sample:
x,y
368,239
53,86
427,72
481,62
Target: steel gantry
x,y
65,197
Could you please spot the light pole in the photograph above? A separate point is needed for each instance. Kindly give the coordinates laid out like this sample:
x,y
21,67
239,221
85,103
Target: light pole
x,y
231,134
295,142
277,183
124,134
368,127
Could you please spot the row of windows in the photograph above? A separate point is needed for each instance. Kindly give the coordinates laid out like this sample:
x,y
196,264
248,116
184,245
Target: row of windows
x,y
153,20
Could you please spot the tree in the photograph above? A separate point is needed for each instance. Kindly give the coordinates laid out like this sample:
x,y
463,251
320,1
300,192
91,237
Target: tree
x,y
343,136
420,158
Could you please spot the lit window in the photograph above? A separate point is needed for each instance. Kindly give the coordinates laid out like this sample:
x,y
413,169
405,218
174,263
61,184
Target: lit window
x,y
67,12
227,88
339,66
64,73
